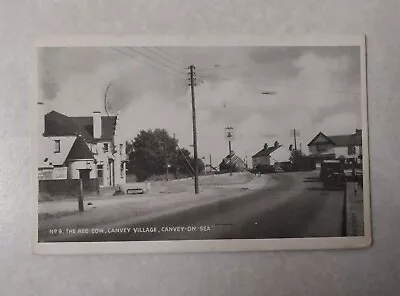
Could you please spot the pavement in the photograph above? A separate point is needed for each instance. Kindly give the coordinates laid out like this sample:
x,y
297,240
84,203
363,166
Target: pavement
x,y
172,190
284,205
65,214
355,210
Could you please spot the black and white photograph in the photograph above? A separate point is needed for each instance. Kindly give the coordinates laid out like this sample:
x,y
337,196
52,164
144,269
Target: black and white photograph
x,y
204,145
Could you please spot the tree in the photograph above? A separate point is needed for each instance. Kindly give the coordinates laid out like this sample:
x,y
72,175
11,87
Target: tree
x,y
151,151
185,164
295,154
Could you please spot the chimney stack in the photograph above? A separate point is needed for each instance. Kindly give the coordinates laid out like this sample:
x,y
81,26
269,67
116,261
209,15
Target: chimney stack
x,y
97,125
265,146
41,118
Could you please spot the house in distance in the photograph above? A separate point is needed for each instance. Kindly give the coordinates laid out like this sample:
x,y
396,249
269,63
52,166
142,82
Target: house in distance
x,y
347,147
270,155
232,161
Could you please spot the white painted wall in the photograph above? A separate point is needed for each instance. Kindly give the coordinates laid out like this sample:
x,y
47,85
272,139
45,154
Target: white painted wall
x,y
75,165
280,155
262,160
330,149
97,125
338,151
102,158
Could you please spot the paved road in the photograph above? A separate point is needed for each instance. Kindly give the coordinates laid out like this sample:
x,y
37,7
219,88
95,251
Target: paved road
x,y
297,206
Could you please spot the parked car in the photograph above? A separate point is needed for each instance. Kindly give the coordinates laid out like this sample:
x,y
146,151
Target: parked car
x,y
286,166
349,174
359,176
332,174
265,169
334,180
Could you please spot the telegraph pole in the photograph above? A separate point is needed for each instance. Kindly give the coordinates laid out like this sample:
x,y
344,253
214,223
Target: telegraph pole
x,y
176,158
229,136
230,158
196,166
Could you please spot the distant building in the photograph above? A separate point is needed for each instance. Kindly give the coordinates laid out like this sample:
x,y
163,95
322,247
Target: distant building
x,y
233,161
348,147
271,155
81,148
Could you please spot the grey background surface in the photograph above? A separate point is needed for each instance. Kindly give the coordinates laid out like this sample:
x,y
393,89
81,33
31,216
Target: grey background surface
x,y
373,271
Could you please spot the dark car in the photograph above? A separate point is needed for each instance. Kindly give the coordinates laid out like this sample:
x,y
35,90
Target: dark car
x,y
286,166
332,174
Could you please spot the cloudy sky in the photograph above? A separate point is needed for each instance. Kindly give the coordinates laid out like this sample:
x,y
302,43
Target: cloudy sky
x,y
317,89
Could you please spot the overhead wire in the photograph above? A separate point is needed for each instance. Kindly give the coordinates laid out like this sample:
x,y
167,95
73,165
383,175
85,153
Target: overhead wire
x,y
155,61
163,57
208,77
171,55
145,63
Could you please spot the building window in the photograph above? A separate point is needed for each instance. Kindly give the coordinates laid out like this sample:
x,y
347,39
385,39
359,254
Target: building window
x,y
351,150
321,147
94,148
100,174
105,147
57,146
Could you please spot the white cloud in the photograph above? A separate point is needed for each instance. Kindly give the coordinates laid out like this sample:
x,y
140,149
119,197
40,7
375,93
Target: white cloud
x,y
149,98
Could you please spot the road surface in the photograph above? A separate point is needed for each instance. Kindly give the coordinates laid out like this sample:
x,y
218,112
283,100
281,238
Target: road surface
x,y
296,206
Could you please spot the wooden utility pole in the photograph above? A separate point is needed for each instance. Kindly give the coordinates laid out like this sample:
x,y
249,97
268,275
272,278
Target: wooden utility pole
x,y
230,157
80,196
229,137
196,165
175,157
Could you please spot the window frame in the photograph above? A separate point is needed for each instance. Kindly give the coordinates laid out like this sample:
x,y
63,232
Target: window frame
x,y
106,147
57,146
351,150
321,147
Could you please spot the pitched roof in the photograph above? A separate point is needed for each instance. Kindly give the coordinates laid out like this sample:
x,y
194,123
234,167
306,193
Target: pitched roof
x,y
46,150
345,140
107,126
320,134
235,160
57,124
342,140
266,152
80,150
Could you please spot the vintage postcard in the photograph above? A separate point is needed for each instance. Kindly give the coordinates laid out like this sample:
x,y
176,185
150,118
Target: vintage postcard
x,y
195,144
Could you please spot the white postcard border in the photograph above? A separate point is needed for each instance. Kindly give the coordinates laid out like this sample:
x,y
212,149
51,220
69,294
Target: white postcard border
x,y
172,246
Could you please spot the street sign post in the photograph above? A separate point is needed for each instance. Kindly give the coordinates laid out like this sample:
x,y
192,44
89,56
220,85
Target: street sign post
x,y
229,136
